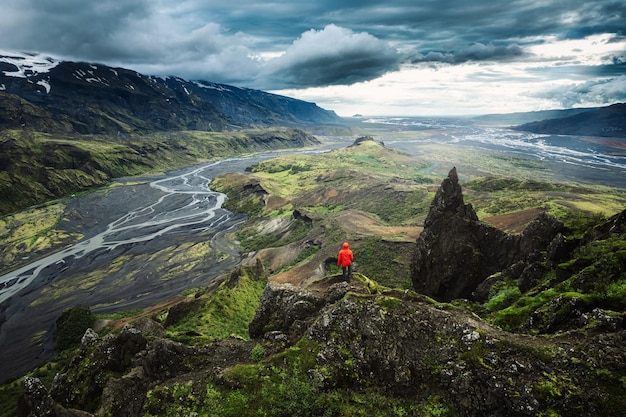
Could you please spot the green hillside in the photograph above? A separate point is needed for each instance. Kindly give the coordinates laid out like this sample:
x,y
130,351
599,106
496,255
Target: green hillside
x,y
38,167
224,350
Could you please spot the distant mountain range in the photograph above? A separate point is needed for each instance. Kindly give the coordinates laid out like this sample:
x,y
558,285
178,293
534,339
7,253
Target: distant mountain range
x,y
66,127
605,122
598,121
42,94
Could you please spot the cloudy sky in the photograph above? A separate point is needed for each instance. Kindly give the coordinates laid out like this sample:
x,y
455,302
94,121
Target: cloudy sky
x,y
397,57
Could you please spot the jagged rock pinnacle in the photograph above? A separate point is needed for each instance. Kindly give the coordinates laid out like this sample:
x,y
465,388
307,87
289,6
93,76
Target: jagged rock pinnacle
x,y
456,252
449,201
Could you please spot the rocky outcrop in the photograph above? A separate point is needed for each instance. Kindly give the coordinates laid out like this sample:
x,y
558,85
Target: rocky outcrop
x,y
416,350
112,375
398,342
456,252
287,310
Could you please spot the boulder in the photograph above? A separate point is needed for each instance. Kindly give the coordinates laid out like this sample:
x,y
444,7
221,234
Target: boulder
x,y
37,402
285,308
82,383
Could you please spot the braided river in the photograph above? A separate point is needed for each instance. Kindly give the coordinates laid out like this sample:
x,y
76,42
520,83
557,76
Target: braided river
x,y
154,213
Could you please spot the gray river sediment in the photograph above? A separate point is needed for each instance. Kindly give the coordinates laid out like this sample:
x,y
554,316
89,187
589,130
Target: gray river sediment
x,y
126,222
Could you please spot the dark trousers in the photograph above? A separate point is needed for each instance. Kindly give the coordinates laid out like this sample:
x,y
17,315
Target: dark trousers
x,y
347,272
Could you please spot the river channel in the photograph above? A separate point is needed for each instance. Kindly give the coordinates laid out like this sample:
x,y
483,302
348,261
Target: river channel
x,y
123,228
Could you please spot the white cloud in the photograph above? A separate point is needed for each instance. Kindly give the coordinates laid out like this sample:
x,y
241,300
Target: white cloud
x,y
591,50
438,90
588,94
331,56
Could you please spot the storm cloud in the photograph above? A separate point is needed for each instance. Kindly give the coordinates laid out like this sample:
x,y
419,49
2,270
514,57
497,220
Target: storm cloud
x,y
476,52
331,56
585,94
335,51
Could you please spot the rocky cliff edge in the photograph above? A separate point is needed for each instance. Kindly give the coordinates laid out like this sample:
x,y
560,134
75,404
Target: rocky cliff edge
x,y
400,342
354,337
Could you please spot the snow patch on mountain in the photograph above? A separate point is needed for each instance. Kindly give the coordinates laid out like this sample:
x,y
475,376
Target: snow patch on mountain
x,y
45,84
26,65
213,86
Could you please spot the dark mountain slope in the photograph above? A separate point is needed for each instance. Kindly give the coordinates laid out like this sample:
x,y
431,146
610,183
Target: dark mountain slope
x,y
606,122
253,106
77,97
518,118
69,126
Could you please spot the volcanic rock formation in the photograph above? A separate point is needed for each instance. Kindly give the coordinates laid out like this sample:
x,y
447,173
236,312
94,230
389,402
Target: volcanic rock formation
x,y
456,252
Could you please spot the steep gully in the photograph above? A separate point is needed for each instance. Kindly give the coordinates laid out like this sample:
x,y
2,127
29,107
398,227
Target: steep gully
x,y
126,221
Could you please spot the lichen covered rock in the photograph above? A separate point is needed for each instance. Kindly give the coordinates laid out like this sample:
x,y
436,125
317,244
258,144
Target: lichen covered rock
x,y
399,343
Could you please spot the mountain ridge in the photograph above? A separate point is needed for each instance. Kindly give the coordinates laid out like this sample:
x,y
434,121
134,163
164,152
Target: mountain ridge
x,y
70,126
86,98
519,118
604,122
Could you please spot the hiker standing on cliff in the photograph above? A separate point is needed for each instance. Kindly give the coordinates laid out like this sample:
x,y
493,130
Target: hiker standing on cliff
x,y
344,260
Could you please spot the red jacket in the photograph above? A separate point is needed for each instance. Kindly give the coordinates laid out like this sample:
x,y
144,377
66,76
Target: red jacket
x,y
344,258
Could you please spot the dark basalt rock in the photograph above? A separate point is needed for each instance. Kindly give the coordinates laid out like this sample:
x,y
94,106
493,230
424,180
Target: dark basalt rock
x,y
449,202
396,342
112,375
456,252
105,356
290,308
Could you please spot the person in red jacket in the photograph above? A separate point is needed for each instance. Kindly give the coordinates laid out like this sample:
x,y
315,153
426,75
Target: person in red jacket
x,y
344,260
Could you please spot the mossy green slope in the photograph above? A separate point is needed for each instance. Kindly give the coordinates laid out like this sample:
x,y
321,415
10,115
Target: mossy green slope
x,y
38,167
